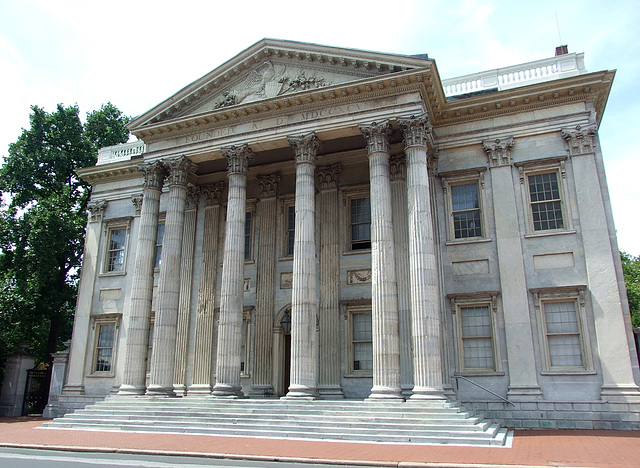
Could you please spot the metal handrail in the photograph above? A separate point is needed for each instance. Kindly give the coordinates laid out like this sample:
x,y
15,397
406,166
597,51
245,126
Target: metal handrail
x,y
483,388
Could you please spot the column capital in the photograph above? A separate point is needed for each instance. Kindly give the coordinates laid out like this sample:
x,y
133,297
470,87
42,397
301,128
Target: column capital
x,y
212,193
154,174
96,210
193,195
179,170
377,135
305,147
137,203
328,176
417,130
579,139
498,151
268,185
238,158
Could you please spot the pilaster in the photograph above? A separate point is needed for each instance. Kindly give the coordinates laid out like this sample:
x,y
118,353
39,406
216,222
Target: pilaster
x,y
135,369
304,302
329,372
384,293
205,312
232,295
425,292
523,382
265,286
163,353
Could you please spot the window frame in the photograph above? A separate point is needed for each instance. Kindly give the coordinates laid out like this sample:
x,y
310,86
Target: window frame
x,y
450,180
540,167
158,260
487,299
351,309
97,322
110,226
288,202
575,294
250,210
349,194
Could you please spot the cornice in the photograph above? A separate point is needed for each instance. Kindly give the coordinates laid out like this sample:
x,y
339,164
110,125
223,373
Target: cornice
x,y
398,83
591,87
114,171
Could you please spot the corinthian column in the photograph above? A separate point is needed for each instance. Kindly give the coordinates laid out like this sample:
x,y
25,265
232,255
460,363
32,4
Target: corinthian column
x,y
232,294
329,316
163,353
205,312
135,368
265,287
425,310
304,302
384,292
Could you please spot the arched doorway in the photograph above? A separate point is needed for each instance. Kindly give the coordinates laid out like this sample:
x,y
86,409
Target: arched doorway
x,y
284,358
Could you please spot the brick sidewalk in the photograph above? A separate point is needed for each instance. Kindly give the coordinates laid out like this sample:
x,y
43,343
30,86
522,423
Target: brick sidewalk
x,y
606,449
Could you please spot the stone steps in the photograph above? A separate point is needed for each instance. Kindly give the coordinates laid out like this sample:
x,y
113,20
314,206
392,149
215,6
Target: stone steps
x,y
428,422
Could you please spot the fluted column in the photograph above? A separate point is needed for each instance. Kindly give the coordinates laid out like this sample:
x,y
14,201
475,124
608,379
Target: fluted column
x,y
304,302
425,295
384,293
329,312
265,286
165,331
135,368
186,281
398,168
205,312
232,294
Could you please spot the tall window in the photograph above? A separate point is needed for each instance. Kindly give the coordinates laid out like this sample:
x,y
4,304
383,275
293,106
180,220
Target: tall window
x,y
115,249
247,235
291,229
546,203
465,208
477,337
105,340
361,341
360,223
159,242
563,334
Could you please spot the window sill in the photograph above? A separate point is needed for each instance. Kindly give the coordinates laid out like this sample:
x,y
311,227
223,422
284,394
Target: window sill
x,y
249,262
288,258
365,375
357,252
475,240
489,373
112,273
569,372
533,235
98,375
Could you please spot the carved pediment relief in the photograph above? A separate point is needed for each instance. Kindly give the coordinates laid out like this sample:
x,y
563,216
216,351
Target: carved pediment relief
x,y
272,68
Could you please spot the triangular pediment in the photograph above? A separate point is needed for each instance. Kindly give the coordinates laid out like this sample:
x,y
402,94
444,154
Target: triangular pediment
x,y
270,69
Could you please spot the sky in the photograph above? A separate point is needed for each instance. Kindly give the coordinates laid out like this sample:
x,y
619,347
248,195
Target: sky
x,y
136,54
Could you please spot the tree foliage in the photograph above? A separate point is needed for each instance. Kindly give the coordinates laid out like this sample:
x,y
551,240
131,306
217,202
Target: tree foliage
x,y
631,270
42,222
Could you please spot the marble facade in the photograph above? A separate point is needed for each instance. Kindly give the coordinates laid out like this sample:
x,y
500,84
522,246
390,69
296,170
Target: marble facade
x,y
345,224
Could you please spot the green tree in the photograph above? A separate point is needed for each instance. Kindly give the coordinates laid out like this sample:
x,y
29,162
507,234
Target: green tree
x,y
42,221
631,270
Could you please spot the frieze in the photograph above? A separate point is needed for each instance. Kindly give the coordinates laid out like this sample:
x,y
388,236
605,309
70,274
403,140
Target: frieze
x,y
358,276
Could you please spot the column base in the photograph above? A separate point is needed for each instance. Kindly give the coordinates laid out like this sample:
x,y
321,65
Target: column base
x,y
620,393
524,393
386,393
126,389
180,390
226,391
427,393
300,392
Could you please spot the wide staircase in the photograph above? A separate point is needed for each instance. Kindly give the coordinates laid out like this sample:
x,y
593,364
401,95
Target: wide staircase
x,y
417,422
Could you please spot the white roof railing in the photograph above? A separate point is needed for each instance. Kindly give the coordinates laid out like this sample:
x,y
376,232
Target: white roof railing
x,y
553,68
122,152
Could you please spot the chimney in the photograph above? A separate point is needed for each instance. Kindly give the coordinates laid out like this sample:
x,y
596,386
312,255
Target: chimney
x,y
562,50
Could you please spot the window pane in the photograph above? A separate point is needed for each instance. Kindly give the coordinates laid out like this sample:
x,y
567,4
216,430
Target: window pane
x,y
477,338
362,341
115,254
563,334
247,236
464,196
467,224
466,211
546,207
291,229
104,347
360,223
159,242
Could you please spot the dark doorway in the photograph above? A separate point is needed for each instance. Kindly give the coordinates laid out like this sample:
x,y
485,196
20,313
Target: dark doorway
x,y
287,362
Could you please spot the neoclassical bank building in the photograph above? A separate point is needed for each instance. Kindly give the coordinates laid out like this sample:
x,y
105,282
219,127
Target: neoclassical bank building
x,y
315,223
